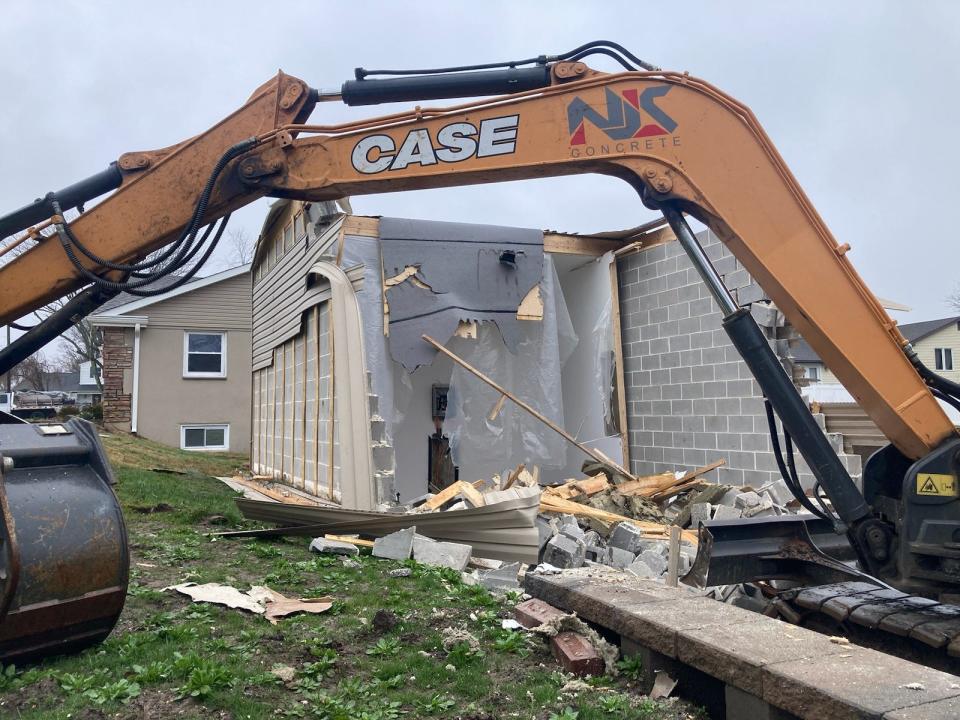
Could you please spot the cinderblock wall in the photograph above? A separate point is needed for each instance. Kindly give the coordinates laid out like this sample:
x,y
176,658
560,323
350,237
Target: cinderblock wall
x,y
690,397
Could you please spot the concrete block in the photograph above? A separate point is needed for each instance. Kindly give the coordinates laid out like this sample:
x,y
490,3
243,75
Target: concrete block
x,y
441,554
573,531
565,552
576,654
641,569
699,513
658,546
655,561
546,530
747,500
725,512
395,546
625,536
615,557
333,547
533,613
503,578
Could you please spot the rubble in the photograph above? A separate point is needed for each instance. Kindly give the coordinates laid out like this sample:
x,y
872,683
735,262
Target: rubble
x,y
504,578
333,547
395,546
441,554
563,551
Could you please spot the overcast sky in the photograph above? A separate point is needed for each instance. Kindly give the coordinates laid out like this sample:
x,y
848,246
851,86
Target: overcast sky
x,y
859,97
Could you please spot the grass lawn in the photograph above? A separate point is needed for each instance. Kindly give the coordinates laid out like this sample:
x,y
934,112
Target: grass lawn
x,y
377,654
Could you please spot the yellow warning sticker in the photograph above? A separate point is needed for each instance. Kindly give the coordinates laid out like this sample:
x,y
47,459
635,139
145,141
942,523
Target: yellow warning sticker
x,y
936,484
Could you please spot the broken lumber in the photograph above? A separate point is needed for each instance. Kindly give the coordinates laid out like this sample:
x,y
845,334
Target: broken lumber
x,y
448,493
280,495
352,540
595,454
473,496
573,488
514,474
650,529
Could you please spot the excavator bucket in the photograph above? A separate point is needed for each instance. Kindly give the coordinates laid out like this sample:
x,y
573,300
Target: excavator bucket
x,y
63,543
790,547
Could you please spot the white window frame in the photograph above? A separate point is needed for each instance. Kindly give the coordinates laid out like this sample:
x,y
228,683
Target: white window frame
x,y
940,356
812,372
223,354
206,426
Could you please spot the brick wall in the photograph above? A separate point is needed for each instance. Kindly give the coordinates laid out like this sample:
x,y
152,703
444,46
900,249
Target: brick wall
x,y
117,362
690,397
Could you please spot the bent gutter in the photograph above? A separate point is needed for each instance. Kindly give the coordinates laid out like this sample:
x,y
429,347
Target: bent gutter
x,y
351,406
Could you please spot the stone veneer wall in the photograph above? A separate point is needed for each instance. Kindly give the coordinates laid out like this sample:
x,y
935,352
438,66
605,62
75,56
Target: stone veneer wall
x,y
117,366
690,397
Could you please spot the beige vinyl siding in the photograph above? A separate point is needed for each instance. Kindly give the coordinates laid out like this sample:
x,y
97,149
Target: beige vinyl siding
x,y
946,337
221,306
295,438
281,296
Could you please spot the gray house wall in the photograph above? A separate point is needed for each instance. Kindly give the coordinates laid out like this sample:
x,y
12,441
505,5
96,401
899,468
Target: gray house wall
x,y
690,397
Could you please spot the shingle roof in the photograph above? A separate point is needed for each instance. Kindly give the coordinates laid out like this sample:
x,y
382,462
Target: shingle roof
x,y
913,332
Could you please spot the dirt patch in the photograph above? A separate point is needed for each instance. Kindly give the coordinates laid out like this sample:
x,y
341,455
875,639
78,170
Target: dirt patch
x,y
32,696
163,705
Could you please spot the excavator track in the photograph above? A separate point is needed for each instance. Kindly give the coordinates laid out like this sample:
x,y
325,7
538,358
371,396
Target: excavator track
x,y
909,626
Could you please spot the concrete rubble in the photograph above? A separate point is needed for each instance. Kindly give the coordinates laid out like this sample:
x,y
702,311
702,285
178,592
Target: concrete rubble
x,y
604,520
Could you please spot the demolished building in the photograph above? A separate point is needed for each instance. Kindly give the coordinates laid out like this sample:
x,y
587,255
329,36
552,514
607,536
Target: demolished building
x,y
611,337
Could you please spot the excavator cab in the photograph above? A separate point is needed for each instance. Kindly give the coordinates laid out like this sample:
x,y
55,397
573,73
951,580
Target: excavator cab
x,y
64,563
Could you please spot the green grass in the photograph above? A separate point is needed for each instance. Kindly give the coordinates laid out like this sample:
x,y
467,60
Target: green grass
x,y
170,658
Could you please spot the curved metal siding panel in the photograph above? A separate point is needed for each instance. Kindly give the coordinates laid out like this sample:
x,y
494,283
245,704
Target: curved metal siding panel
x,y
280,297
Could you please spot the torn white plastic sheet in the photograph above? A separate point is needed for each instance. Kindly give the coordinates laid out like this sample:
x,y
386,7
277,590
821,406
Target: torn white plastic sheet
x,y
483,447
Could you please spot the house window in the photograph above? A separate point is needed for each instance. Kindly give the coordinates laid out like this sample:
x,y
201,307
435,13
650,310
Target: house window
x,y
812,372
204,355
943,358
204,437
299,227
287,237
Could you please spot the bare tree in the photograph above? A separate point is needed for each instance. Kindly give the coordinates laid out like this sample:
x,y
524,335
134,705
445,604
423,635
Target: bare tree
x,y
953,299
81,343
32,371
240,245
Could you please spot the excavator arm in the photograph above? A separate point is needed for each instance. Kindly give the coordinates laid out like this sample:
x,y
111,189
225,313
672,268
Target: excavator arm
x,y
678,140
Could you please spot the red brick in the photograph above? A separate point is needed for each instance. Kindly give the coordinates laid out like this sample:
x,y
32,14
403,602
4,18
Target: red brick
x,y
535,612
576,654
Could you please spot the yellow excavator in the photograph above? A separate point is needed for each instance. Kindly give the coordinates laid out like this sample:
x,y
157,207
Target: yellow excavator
x,y
685,147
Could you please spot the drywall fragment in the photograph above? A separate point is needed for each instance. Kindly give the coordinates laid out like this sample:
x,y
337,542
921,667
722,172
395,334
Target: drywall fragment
x,y
219,595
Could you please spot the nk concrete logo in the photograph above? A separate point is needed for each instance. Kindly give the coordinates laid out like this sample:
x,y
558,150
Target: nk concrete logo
x,y
630,115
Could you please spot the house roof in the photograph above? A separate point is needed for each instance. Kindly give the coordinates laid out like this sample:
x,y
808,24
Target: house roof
x,y
913,332
56,380
125,303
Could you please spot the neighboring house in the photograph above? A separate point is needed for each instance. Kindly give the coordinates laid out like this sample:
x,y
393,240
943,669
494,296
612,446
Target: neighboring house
x,y
88,391
80,385
937,343
176,366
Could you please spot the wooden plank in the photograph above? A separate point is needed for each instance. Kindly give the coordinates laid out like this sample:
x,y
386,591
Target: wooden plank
x,y
363,226
352,540
497,407
340,240
596,455
559,505
615,325
514,474
673,558
472,495
579,244
448,493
